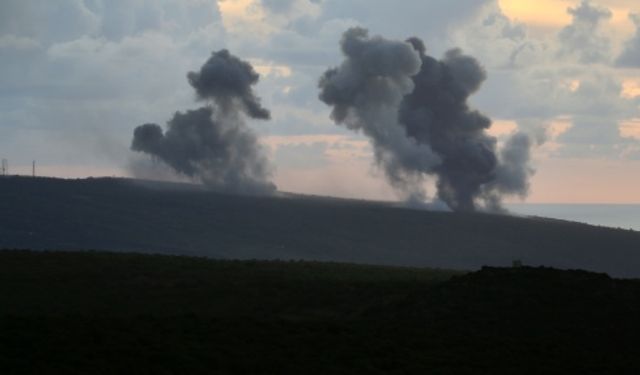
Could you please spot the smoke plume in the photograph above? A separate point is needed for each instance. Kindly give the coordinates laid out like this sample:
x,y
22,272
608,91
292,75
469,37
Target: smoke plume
x,y
414,109
212,144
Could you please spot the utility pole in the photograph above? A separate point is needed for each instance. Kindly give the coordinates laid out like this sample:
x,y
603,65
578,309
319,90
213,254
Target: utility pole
x,y
5,167
33,169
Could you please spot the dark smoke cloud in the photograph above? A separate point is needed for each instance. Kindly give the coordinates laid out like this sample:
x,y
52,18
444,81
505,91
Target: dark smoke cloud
x,y
227,80
366,91
414,109
212,144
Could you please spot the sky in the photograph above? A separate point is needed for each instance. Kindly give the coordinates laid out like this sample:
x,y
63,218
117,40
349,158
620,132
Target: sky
x,y
77,76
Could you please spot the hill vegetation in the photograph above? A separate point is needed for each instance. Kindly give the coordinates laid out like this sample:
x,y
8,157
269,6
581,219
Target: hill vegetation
x,y
141,216
109,313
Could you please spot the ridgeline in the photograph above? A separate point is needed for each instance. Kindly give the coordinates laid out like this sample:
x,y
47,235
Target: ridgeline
x,y
152,217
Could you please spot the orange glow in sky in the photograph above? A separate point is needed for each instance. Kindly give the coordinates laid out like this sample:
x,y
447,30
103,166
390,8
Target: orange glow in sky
x,y
548,13
552,14
630,88
630,128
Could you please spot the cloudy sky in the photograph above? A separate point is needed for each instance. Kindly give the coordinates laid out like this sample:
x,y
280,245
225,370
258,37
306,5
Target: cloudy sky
x,y
77,76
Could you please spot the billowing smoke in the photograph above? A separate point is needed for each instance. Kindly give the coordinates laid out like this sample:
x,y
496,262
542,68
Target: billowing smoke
x,y
227,81
414,109
366,92
212,144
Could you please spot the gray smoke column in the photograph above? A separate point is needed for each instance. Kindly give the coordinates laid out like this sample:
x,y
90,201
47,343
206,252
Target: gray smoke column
x,y
414,109
366,92
213,144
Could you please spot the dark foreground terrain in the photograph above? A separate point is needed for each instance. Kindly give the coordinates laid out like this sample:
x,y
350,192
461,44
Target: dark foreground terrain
x,y
108,313
129,215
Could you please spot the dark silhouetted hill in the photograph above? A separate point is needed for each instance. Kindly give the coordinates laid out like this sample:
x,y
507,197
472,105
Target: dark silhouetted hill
x,y
129,215
109,313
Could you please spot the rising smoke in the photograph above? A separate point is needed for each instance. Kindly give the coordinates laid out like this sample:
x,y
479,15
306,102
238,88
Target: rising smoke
x,y
212,144
414,109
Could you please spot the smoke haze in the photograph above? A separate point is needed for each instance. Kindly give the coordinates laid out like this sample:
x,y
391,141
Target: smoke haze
x,y
414,109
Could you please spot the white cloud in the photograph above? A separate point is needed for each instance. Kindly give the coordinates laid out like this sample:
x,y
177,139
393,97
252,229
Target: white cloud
x,y
583,39
10,41
567,75
75,81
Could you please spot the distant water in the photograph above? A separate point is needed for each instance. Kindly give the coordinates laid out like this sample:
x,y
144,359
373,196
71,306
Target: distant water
x,y
626,216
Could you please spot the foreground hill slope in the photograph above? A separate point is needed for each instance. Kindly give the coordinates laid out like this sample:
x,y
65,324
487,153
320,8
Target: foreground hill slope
x,y
130,215
108,313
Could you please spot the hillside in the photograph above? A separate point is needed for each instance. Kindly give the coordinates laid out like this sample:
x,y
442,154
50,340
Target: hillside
x,y
109,313
129,215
